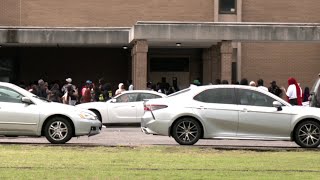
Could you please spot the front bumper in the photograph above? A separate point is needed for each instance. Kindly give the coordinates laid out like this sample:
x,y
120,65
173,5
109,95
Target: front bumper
x,y
87,127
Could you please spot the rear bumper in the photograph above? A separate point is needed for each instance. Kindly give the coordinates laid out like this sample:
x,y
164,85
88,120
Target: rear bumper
x,y
151,126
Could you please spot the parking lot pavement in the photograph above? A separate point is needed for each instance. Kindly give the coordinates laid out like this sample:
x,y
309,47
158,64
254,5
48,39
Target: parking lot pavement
x,y
132,136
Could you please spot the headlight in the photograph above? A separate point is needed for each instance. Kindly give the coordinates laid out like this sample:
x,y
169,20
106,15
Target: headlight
x,y
85,115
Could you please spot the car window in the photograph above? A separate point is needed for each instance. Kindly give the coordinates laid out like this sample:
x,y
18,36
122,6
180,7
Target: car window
x,y
143,96
254,98
9,95
130,97
217,95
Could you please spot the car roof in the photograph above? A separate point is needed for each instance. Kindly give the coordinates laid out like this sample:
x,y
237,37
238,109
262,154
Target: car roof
x,y
144,91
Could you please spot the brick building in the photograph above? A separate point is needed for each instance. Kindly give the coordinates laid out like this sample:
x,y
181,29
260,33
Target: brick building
x,y
176,39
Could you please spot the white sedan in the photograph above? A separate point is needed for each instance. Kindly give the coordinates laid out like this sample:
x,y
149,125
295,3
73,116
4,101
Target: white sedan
x,y
230,112
126,107
24,114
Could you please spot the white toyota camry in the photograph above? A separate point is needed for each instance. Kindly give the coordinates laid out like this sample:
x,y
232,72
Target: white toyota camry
x,y
126,107
230,112
24,114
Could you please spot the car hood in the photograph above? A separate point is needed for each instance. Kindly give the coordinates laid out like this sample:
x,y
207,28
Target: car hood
x,y
61,108
92,105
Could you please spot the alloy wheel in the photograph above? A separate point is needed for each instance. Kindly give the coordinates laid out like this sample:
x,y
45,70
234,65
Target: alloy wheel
x,y
58,130
187,131
309,134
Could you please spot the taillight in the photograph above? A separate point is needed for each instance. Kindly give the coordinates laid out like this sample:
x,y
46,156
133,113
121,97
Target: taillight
x,y
153,107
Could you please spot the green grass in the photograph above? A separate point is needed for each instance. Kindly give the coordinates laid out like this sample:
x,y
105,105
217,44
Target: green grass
x,y
153,162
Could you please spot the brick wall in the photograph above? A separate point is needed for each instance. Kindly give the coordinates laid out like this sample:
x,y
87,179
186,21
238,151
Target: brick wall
x,y
281,11
9,12
279,61
103,12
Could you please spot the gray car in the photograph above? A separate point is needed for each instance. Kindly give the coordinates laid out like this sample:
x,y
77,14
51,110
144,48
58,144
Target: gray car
x,y
230,112
24,114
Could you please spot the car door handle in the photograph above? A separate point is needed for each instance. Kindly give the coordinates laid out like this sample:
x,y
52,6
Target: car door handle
x,y
244,110
201,107
133,106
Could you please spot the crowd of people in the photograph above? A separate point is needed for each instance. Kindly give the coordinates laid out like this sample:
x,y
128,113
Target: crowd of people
x,y
294,94
102,91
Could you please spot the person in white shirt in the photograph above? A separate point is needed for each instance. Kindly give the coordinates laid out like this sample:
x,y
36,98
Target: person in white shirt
x,y
121,89
294,92
260,85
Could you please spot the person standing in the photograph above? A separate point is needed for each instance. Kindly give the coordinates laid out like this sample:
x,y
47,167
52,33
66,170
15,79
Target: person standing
x,y
294,92
55,94
41,89
130,88
86,92
275,89
260,85
68,82
121,89
306,94
252,83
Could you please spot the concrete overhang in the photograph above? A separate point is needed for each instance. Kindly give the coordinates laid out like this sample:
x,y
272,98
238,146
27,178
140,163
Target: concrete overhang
x,y
64,36
238,32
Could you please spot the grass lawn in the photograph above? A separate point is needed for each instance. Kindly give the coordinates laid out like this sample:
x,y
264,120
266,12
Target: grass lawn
x,y
154,162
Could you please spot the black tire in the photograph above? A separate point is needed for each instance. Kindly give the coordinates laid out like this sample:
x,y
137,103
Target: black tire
x,y
307,134
186,131
58,130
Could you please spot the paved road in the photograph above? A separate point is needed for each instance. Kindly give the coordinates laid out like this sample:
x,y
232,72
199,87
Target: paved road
x,y
132,136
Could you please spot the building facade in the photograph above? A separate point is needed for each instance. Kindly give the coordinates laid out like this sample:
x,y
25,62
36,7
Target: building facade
x,y
44,39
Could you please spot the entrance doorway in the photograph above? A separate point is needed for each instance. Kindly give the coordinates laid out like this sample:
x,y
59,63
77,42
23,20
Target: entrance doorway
x,y
171,69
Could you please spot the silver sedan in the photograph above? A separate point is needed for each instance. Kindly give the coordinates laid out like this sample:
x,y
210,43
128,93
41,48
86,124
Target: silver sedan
x,y
230,112
24,114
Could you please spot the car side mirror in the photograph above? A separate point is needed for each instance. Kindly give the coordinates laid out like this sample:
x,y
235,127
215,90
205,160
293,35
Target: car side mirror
x,y
113,100
277,105
26,100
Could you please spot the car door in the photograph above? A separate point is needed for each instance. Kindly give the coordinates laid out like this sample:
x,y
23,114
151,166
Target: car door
x,y
17,118
219,111
124,109
259,119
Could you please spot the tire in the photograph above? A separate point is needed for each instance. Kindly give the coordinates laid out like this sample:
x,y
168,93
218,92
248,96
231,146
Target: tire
x,y
58,130
307,134
186,131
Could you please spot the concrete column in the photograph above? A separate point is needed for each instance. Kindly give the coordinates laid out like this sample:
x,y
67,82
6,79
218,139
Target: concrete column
x,y
139,64
211,64
226,60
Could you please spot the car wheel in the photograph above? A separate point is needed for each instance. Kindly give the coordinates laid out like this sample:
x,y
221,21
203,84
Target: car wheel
x,y
307,134
58,130
186,131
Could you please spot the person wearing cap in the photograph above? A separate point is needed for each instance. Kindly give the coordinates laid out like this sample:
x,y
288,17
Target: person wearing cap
x,y
64,87
86,92
275,89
